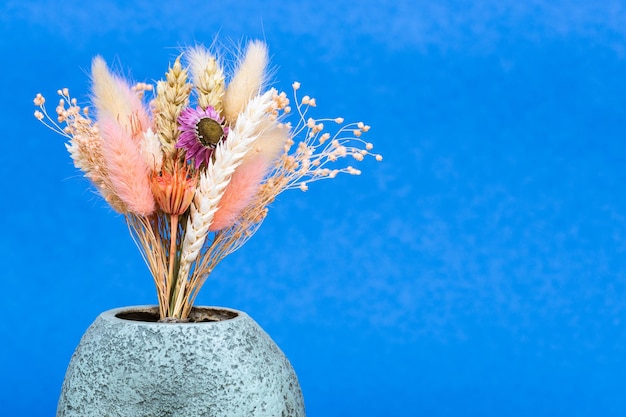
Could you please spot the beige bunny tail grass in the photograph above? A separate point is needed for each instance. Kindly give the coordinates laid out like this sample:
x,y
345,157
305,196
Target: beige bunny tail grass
x,y
271,142
109,96
208,77
249,77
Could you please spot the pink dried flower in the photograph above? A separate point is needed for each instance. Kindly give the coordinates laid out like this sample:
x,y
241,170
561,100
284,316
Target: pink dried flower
x,y
174,190
201,131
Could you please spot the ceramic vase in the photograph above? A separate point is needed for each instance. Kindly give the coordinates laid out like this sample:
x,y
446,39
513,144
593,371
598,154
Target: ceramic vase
x,y
221,363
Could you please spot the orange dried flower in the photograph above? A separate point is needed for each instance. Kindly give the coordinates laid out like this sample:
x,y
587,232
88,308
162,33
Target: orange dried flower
x,y
174,190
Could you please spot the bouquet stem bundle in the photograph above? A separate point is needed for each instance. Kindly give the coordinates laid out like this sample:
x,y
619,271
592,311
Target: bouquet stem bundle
x,y
194,169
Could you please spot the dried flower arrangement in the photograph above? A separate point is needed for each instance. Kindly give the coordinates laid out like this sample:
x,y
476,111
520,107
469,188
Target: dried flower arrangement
x,y
194,181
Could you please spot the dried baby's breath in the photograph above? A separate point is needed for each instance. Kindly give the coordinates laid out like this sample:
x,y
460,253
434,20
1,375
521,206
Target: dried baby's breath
x,y
84,143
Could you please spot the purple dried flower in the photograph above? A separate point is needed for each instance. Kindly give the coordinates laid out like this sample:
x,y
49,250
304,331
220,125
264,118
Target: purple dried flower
x,y
201,131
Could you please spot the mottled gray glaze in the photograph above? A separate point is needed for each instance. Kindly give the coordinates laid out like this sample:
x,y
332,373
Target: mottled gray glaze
x,y
137,368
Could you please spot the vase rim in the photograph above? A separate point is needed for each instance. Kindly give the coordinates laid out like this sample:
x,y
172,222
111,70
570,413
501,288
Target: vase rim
x,y
205,315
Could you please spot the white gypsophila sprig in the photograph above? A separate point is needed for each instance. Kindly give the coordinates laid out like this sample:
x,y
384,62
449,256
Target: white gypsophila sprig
x,y
213,181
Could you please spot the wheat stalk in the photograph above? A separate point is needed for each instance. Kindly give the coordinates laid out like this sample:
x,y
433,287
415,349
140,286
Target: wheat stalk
x,y
208,78
228,156
172,97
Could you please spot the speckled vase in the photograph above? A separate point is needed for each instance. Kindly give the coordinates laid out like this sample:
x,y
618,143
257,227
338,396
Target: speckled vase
x,y
220,364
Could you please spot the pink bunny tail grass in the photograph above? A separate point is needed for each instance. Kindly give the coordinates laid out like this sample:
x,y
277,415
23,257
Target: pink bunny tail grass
x,y
139,119
127,170
239,193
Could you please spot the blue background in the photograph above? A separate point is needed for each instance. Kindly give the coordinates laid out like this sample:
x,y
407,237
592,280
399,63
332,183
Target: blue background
x,y
479,270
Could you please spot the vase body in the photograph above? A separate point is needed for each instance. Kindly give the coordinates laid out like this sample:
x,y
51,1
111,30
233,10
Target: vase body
x,y
126,366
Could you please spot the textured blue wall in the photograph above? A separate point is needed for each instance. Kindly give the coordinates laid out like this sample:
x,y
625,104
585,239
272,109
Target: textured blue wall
x,y
480,270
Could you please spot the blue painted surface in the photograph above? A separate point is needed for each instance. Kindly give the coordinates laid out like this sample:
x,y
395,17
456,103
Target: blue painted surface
x,y
480,270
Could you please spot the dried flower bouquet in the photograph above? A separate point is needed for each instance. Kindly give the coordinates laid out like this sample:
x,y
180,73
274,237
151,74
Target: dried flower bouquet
x,y
194,171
